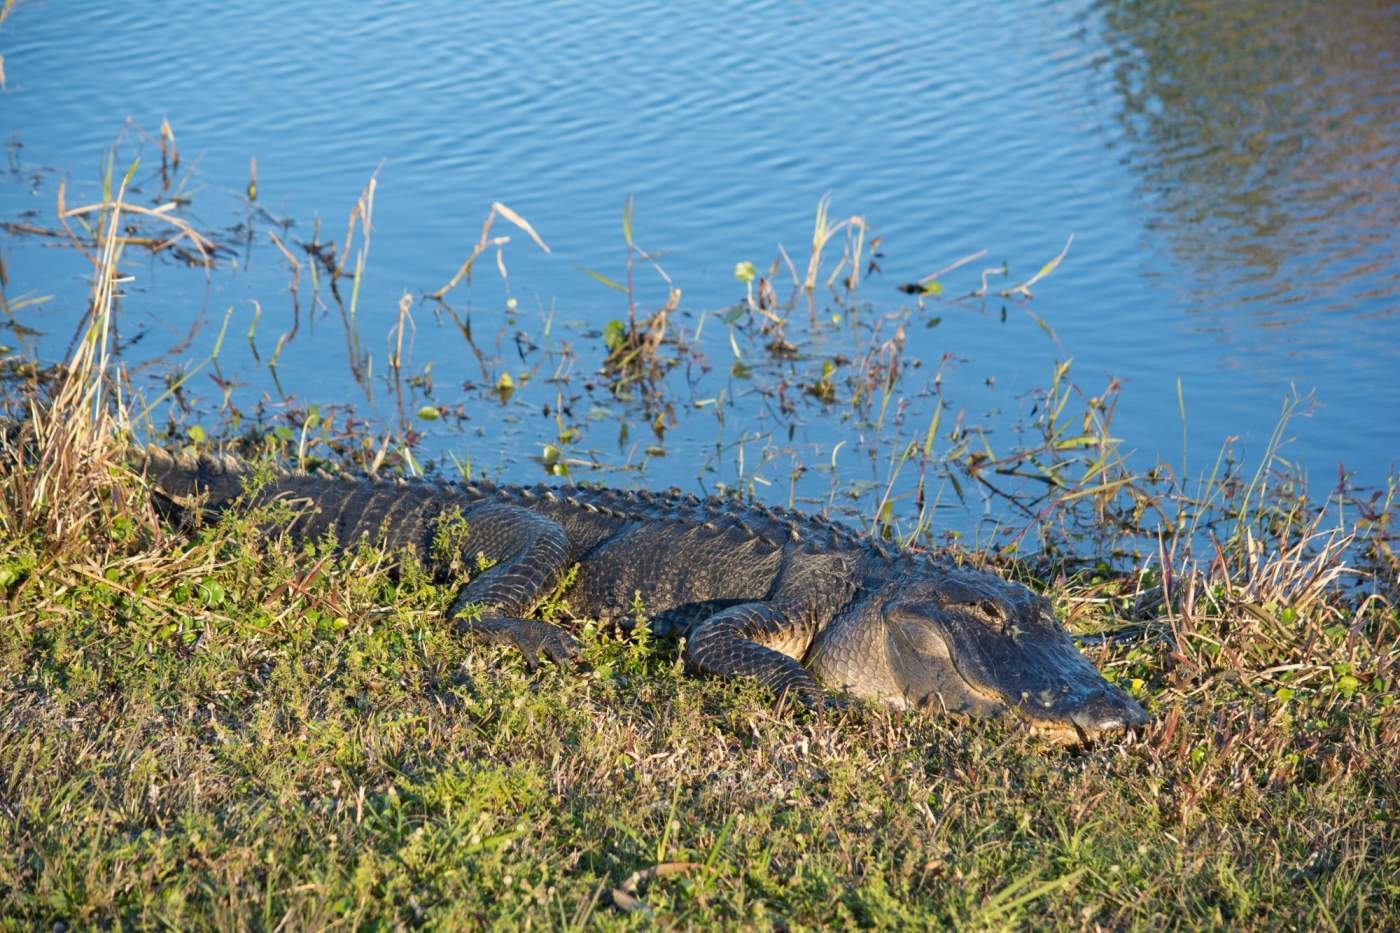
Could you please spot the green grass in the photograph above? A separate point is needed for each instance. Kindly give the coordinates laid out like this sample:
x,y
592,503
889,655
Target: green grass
x,y
214,730
196,733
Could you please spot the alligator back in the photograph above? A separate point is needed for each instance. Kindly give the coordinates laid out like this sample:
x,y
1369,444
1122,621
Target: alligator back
x,y
677,553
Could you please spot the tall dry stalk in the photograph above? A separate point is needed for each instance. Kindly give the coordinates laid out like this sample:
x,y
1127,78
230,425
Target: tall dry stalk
x,y
61,455
486,241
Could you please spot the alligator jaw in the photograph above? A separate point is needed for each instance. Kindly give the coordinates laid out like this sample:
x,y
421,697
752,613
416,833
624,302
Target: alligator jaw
x,y
1066,731
1106,713
1077,718
1057,733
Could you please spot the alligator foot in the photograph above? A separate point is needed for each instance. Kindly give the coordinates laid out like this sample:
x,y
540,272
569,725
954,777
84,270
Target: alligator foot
x,y
813,700
532,637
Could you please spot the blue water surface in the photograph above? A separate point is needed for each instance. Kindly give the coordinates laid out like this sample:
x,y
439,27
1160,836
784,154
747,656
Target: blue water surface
x,y
1230,174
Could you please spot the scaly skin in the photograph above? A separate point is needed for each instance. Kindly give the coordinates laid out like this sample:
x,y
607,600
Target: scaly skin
x,y
791,600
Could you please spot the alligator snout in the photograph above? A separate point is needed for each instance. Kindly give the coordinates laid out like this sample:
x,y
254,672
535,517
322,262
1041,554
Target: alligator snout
x,y
1106,711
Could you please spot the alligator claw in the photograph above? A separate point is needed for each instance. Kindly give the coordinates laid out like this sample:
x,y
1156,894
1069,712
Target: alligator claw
x,y
530,637
811,699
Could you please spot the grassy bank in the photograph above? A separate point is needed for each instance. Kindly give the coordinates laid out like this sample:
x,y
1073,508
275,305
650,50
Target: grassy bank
x,y
198,733
213,729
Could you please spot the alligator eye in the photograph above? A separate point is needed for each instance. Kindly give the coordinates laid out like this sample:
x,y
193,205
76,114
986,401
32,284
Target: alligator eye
x,y
990,612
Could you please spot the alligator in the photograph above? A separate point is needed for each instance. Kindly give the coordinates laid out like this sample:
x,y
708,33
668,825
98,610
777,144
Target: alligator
x,y
796,601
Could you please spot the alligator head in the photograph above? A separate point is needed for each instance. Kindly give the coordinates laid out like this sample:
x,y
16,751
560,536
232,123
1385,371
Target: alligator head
x,y
970,642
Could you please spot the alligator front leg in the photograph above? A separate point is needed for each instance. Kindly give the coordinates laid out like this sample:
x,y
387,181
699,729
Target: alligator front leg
x,y
529,555
758,640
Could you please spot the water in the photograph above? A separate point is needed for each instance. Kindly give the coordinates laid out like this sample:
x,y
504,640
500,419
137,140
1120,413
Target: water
x,y
1229,174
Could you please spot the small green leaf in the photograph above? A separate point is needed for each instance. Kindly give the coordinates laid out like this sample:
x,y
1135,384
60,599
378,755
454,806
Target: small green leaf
x,y
745,272
211,593
612,334
197,435
429,413
932,287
